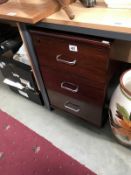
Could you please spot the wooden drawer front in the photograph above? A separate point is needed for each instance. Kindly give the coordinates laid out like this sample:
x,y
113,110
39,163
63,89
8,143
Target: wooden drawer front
x,y
90,59
87,111
74,86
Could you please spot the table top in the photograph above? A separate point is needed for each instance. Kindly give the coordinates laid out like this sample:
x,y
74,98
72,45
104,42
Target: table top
x,y
27,11
99,17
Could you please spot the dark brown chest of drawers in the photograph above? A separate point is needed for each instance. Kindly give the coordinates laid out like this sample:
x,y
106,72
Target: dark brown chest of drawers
x,y
75,70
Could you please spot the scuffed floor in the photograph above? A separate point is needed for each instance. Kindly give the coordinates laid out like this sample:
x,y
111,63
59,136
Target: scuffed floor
x,y
95,148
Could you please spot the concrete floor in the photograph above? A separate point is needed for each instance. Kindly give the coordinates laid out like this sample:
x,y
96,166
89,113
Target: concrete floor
x,y
95,148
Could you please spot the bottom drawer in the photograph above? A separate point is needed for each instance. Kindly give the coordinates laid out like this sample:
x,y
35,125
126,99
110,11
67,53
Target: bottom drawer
x,y
89,112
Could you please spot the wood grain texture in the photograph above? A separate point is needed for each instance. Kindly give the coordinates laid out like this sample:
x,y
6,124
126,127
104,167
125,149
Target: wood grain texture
x,y
121,50
91,58
85,82
99,17
88,111
88,91
28,11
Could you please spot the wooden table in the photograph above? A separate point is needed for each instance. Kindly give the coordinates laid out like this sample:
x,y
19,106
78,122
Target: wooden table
x,y
28,11
99,17
98,21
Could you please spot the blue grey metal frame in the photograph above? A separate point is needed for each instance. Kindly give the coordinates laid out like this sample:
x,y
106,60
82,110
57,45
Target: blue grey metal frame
x,y
29,45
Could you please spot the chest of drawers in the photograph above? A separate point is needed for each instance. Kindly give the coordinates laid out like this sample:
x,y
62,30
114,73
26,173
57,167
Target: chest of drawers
x,y
75,71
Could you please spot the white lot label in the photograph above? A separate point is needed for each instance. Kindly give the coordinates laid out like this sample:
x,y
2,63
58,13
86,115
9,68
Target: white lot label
x,y
73,48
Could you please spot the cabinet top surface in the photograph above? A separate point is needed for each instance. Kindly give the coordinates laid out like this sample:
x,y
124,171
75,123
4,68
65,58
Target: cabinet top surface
x,y
99,17
28,11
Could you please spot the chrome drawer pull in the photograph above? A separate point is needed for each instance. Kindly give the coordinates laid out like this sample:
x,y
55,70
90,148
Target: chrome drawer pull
x,y
59,59
63,86
71,106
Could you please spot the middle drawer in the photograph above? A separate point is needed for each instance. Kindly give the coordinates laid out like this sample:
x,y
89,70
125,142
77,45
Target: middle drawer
x,y
74,86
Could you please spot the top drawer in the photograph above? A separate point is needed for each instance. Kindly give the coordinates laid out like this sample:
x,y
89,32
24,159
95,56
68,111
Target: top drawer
x,y
84,56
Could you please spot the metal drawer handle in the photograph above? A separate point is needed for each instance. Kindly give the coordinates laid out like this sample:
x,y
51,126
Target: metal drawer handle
x,y
71,106
59,59
64,86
